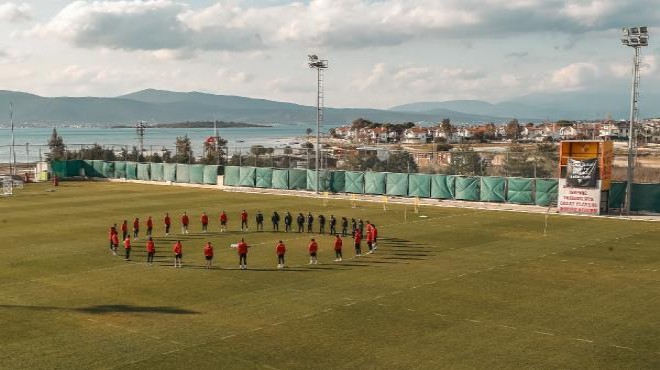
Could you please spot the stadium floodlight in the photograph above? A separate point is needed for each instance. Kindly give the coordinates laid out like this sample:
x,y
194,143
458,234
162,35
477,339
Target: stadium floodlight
x,y
319,64
635,37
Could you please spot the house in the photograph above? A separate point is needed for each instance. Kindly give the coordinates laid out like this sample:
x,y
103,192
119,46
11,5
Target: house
x,y
614,129
568,133
415,135
377,135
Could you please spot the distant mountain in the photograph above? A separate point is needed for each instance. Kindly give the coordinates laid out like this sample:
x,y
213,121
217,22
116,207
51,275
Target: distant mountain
x,y
167,107
567,105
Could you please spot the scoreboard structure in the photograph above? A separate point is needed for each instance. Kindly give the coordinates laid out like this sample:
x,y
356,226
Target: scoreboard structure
x,y
585,175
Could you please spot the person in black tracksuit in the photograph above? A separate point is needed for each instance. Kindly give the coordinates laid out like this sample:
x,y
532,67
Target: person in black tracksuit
x,y
344,226
275,218
301,222
288,220
260,221
333,225
321,224
310,222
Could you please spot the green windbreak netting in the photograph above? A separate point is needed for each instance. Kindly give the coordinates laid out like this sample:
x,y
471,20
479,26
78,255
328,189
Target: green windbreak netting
x,y
73,167
419,185
169,172
120,170
520,190
324,180
157,172
264,178
97,164
396,184
88,167
354,182
617,196
197,174
442,186
144,171
211,174
546,191
493,189
247,176
182,173
280,179
108,169
374,183
337,181
232,175
467,188
297,179
131,170
59,168
645,197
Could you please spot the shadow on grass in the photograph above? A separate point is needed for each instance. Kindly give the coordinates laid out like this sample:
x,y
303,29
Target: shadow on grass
x,y
108,308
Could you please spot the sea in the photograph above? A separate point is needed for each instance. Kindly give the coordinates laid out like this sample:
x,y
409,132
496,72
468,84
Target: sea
x,y
30,142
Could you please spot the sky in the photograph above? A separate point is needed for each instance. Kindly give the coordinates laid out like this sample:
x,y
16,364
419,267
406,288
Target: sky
x,y
381,53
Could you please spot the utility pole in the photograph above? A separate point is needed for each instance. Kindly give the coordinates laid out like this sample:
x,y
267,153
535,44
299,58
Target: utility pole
x,y
319,65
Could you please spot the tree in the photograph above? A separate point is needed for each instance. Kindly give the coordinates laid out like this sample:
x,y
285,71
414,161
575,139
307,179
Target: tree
x,y
56,146
491,131
214,152
155,158
360,123
512,129
398,161
167,155
465,161
184,153
446,128
518,162
546,160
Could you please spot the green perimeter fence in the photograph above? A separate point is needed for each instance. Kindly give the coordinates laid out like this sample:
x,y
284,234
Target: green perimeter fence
x,y
516,190
157,172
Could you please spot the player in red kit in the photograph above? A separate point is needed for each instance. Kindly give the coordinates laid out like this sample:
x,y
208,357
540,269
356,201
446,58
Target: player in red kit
x,y
280,250
184,223
338,245
205,222
124,229
358,241
242,249
136,228
313,248
127,248
168,223
208,254
223,222
114,240
151,251
178,253
150,226
244,221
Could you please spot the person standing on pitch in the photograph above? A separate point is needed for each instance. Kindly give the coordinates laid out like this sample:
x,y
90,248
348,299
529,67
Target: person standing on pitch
x,y
374,234
136,228
361,226
242,249
244,221
313,248
127,248
280,250
275,219
370,240
184,223
205,222
310,222
150,226
301,222
124,230
321,224
288,220
338,244
111,232
168,223
114,241
223,222
151,251
178,253
260,221
344,226
333,225
208,255
353,226
358,240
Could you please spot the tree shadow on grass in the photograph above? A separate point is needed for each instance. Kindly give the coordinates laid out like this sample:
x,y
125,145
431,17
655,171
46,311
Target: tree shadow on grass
x,y
108,308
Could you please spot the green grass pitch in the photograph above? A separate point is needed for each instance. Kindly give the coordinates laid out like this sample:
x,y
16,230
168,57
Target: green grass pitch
x,y
459,288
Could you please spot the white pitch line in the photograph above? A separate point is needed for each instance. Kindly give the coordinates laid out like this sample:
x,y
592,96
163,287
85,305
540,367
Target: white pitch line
x,y
543,333
415,287
622,347
349,304
168,352
308,315
410,309
279,323
228,336
583,340
470,320
507,326
256,329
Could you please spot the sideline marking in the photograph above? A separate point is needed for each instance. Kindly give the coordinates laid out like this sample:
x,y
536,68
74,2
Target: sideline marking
x,y
583,340
228,336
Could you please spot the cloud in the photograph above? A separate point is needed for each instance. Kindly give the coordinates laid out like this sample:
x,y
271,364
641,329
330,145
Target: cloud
x,y
234,77
14,13
576,76
341,24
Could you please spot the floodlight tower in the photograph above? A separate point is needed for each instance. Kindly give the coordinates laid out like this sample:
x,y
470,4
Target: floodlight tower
x,y
141,127
635,37
319,65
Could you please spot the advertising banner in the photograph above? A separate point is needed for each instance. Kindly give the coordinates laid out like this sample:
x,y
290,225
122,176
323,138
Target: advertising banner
x,y
582,173
578,200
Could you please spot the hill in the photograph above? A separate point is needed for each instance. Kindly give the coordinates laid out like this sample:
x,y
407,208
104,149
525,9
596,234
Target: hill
x,y
168,106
